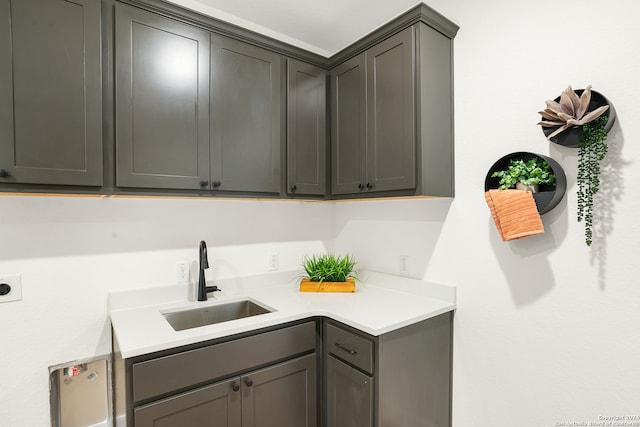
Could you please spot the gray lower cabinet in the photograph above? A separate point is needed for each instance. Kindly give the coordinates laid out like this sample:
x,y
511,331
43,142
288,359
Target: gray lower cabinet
x,y
283,395
50,92
217,405
162,101
349,395
245,118
392,130
306,129
401,378
269,378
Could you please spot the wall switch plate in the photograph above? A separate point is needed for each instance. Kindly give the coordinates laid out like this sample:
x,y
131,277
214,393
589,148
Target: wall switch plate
x,y
182,272
274,262
10,288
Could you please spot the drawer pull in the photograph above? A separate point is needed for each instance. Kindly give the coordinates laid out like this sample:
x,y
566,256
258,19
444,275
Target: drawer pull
x,y
348,350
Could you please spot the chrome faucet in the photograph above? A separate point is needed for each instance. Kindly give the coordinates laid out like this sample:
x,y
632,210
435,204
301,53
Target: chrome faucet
x,y
203,289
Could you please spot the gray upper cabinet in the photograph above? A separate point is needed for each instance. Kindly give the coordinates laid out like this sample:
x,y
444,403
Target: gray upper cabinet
x,y
306,129
50,92
434,115
197,106
246,117
392,117
348,126
391,144
373,128
162,101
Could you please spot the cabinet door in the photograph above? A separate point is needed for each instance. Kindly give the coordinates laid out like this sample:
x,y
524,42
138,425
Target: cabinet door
x,y
349,396
348,127
306,129
50,92
391,141
246,105
283,395
217,405
162,101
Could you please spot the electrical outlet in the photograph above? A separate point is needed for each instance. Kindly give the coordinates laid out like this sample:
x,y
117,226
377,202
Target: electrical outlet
x,y
404,264
274,262
10,288
182,272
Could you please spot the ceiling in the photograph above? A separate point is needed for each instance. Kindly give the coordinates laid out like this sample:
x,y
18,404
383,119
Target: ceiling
x,y
324,27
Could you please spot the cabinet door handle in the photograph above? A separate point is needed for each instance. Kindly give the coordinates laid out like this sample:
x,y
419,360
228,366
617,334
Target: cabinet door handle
x,y
4,173
369,185
293,188
248,382
348,350
361,186
216,184
235,386
204,183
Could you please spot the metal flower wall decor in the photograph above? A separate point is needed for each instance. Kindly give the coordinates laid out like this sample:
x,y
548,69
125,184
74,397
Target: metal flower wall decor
x,y
570,111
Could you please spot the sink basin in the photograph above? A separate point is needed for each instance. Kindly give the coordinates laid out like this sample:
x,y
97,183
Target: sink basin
x,y
187,319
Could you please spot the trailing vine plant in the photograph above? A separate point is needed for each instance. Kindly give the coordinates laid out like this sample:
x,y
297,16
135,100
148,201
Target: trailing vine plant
x,y
572,111
592,150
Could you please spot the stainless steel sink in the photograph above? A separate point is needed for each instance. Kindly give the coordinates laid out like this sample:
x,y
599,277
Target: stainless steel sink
x,y
187,319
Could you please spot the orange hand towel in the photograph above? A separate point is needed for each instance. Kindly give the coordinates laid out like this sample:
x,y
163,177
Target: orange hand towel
x,y
515,213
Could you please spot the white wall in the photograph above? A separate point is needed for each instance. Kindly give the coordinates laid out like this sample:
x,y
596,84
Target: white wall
x,y
71,252
547,330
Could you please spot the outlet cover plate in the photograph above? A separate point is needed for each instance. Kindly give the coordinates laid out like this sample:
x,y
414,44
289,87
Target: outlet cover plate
x,y
274,261
182,272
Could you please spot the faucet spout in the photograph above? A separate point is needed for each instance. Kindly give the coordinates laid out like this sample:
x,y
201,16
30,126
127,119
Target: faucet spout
x,y
203,289
204,261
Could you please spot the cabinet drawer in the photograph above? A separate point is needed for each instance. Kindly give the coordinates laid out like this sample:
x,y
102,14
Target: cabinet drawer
x,y
178,371
350,347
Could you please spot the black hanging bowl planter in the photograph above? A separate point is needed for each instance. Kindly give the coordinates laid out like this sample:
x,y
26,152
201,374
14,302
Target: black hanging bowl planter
x,y
548,196
570,137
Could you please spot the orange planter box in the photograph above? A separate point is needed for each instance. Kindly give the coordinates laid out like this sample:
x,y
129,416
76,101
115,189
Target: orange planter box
x,y
306,285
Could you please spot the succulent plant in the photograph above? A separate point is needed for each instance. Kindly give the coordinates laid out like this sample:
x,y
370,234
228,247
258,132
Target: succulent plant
x,y
570,111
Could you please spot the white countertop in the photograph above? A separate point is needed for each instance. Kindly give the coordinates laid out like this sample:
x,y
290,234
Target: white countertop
x,y
381,303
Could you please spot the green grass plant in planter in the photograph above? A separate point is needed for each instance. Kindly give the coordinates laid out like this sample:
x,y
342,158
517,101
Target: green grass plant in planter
x,y
532,172
591,151
328,273
329,268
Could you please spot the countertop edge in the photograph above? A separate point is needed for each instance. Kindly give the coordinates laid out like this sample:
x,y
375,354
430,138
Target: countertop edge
x,y
134,323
